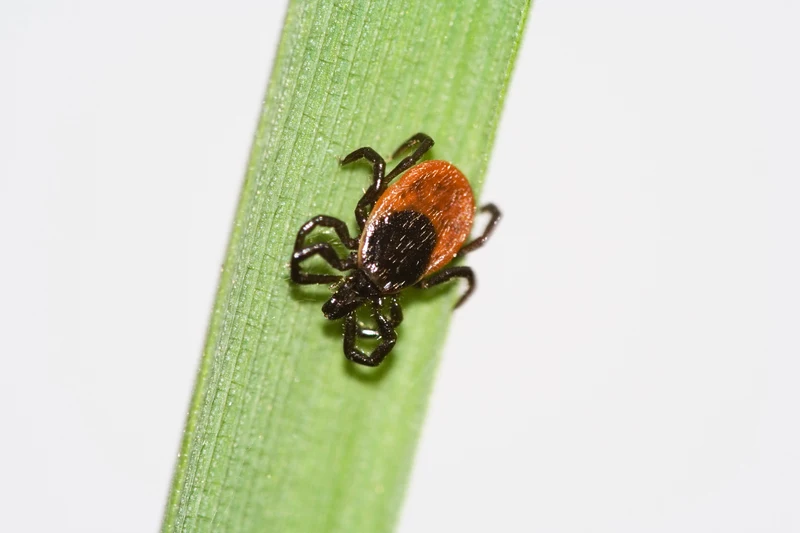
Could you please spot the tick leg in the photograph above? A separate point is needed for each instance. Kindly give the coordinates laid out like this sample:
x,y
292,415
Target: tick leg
x,y
395,313
487,232
387,335
366,202
425,143
325,251
326,222
395,318
374,158
446,275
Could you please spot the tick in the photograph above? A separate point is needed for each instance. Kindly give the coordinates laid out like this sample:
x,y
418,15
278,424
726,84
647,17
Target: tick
x,y
409,232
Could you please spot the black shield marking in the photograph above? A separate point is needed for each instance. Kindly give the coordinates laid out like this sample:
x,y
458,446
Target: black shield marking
x,y
398,249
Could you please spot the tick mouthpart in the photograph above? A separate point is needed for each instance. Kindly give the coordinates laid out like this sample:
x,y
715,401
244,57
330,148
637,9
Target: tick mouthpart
x,y
349,296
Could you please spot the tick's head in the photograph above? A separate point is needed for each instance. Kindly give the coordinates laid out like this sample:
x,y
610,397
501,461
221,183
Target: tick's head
x,y
353,291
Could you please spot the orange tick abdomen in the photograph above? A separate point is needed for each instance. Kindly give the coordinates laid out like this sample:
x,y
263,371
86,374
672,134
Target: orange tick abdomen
x,y
417,225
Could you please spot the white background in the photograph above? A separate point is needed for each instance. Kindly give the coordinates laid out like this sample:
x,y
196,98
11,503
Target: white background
x,y
636,367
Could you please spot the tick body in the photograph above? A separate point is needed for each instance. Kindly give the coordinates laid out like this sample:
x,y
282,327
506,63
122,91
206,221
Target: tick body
x,y
417,226
409,232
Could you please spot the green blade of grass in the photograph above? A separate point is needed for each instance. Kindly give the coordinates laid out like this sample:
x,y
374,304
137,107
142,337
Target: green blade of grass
x,y
283,433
